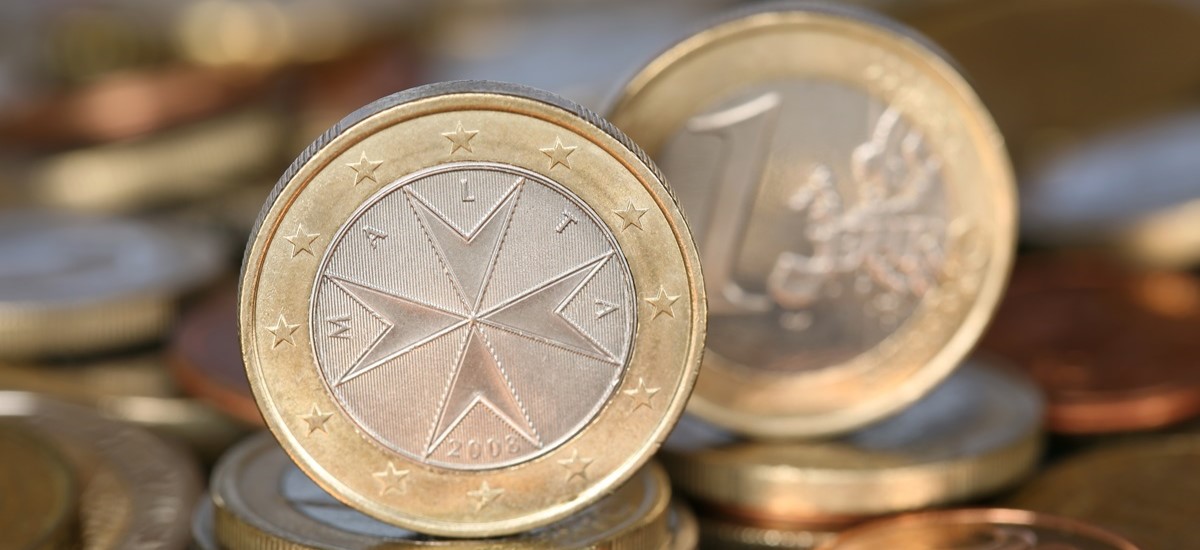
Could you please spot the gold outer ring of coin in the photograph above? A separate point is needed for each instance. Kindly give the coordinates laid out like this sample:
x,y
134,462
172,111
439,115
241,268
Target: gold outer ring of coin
x,y
787,42
685,527
252,511
135,490
607,172
1017,528
39,505
834,484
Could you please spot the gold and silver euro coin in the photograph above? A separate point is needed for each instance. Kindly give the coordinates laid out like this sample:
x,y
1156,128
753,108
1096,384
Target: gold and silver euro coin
x,y
471,309
263,501
853,205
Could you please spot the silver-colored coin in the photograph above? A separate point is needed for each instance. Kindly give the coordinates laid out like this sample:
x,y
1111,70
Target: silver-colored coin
x,y
72,284
478,224
852,243
136,490
204,527
978,409
260,494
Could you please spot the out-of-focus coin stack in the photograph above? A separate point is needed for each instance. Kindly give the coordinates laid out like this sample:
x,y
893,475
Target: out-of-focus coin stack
x,y
949,249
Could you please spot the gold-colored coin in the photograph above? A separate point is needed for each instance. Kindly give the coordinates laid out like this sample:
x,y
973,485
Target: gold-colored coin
x,y
38,502
1145,490
976,433
137,389
471,309
135,491
136,175
685,528
731,534
854,208
264,502
979,529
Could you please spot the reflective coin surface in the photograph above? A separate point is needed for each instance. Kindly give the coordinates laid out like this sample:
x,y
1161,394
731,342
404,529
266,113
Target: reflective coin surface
x,y
71,284
135,491
264,501
978,529
1144,490
853,205
38,509
471,309
1113,347
974,434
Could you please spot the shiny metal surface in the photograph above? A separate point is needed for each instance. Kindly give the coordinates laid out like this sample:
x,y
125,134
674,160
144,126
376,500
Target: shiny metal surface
x,y
136,491
976,433
820,239
978,529
473,315
72,284
852,202
264,501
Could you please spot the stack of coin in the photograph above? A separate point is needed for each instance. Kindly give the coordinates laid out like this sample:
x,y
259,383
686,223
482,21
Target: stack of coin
x,y
82,481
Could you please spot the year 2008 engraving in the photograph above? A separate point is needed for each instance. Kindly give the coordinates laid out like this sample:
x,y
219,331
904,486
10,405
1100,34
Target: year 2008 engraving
x,y
490,325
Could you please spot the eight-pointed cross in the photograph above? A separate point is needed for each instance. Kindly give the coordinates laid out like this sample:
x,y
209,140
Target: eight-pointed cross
x,y
479,377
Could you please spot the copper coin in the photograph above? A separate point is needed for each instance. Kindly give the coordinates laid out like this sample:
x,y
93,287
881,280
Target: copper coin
x,y
128,104
977,529
206,358
1115,349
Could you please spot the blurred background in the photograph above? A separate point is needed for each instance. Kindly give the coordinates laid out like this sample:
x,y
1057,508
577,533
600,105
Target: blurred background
x,y
139,139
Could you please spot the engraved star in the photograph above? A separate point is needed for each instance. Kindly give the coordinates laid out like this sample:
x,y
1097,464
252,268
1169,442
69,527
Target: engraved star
x,y
316,419
558,154
392,480
663,303
576,466
301,241
460,138
282,331
485,495
631,216
478,378
364,169
642,396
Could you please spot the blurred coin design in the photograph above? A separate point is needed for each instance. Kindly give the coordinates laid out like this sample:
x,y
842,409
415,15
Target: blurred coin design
x,y
136,491
853,205
465,291
978,529
38,510
71,285
1144,490
976,433
264,501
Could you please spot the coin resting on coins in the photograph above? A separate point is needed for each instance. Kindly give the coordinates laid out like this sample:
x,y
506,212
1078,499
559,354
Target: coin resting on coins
x,y
852,202
260,495
471,309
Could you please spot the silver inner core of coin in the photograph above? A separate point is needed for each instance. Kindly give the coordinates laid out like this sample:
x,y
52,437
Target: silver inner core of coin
x,y
473,315
821,216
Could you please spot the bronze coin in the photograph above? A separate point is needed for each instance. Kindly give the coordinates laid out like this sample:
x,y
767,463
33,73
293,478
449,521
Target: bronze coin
x,y
128,104
206,357
1114,349
977,529
1146,490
